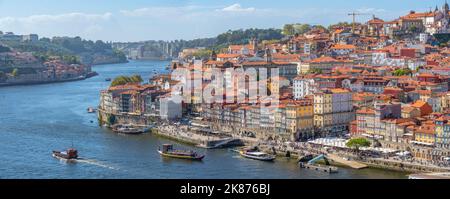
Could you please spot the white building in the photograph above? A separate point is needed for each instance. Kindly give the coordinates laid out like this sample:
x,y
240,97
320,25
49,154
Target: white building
x,y
303,87
30,37
170,108
423,37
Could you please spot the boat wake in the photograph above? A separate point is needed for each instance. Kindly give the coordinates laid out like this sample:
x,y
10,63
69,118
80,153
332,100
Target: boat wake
x,y
95,163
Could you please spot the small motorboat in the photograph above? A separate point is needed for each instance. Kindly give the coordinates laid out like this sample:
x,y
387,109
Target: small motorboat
x,y
168,151
69,154
108,79
91,110
256,155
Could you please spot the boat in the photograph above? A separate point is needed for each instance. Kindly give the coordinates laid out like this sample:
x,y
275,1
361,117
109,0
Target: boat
x,y
416,176
129,129
168,151
91,110
69,154
256,155
108,79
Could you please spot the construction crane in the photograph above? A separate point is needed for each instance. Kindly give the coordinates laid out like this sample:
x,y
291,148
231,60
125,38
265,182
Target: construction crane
x,y
354,14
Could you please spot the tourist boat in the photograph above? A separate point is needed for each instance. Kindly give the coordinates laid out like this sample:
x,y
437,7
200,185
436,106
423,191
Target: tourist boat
x,y
69,154
168,151
256,155
129,129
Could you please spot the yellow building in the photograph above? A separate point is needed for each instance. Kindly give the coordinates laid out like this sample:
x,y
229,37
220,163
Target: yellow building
x,y
333,111
425,134
322,109
299,117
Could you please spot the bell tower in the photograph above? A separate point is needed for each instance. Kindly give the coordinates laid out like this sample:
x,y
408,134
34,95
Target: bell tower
x,y
268,55
213,56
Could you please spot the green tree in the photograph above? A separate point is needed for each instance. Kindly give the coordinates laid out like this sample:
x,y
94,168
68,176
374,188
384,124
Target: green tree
x,y
122,80
320,27
357,143
292,29
413,29
136,79
243,36
202,54
402,71
315,71
15,72
340,24
302,28
71,59
288,29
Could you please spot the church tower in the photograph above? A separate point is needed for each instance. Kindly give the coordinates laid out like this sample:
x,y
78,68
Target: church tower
x,y
213,56
445,8
254,44
268,55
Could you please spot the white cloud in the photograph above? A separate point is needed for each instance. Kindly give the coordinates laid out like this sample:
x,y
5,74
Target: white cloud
x,y
238,8
68,17
160,11
81,24
371,10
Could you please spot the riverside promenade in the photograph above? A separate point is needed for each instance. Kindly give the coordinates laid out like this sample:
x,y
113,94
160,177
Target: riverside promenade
x,y
338,156
182,134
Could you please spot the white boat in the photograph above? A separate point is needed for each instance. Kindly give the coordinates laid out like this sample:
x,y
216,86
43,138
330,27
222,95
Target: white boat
x,y
129,129
91,110
257,155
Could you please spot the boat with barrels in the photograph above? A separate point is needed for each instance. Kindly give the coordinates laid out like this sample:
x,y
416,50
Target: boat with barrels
x,y
69,154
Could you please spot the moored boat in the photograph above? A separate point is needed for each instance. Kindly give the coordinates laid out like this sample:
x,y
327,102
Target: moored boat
x,y
168,151
129,129
91,110
69,154
256,155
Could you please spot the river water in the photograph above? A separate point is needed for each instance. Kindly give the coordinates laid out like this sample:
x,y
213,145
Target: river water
x,y
36,119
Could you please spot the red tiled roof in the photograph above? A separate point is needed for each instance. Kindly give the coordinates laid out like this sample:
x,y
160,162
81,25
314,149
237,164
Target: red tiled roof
x,y
323,59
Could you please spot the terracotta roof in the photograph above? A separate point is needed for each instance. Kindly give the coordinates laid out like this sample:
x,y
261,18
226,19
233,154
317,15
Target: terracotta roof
x,y
408,109
365,111
222,55
426,129
343,46
375,21
323,59
419,104
415,15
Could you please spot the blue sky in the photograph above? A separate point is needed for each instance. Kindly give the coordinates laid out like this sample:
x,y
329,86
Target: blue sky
x,y
137,20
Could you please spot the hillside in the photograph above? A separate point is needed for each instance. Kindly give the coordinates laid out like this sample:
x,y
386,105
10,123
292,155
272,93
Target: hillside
x,y
170,49
85,51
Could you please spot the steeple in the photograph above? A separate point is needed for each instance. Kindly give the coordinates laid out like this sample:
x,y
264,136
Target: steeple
x,y
445,8
213,56
268,55
254,44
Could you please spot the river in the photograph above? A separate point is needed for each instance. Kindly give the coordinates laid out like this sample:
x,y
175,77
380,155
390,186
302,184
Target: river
x,y
36,119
